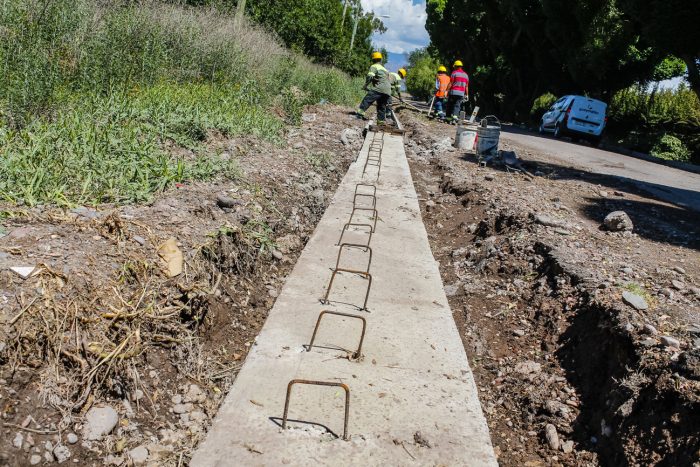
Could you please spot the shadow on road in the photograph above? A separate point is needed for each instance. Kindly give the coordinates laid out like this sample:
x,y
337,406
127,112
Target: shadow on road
x,y
658,221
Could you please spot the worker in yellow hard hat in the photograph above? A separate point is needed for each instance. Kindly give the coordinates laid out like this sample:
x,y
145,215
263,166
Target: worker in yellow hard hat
x,y
378,87
396,79
442,84
458,91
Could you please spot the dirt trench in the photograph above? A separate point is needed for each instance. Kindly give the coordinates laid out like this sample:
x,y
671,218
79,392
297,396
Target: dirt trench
x,y
567,374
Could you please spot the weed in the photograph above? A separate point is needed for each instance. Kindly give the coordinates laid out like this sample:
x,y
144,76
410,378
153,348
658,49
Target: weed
x,y
641,291
319,160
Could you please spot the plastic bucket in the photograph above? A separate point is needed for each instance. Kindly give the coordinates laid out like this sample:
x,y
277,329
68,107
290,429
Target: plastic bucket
x,y
466,137
488,134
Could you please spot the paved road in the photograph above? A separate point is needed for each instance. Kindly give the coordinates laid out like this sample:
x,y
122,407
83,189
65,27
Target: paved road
x,y
673,185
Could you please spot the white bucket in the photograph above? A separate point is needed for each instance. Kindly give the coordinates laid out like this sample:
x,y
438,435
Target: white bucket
x,y
466,137
488,134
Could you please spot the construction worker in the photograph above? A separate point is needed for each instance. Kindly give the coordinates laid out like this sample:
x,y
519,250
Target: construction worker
x,y
378,87
458,91
396,79
442,84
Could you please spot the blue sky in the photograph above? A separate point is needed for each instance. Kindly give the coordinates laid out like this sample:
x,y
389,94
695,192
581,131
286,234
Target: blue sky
x,y
406,27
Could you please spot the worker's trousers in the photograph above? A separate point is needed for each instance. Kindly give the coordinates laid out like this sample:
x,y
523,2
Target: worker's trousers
x,y
440,106
454,105
382,101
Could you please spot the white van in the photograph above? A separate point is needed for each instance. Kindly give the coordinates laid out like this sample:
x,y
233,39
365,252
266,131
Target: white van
x,y
576,116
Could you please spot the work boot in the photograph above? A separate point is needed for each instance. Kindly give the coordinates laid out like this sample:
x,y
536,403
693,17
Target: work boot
x,y
360,114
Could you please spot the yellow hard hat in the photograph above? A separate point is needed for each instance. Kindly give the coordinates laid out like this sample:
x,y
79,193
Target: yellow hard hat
x,y
457,63
442,68
377,56
402,72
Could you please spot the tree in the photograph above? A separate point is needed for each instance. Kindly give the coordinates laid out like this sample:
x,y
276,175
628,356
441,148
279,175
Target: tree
x,y
672,26
422,67
516,50
316,28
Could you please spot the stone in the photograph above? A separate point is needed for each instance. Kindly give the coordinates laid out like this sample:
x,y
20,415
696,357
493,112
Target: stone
x,y
627,271
224,201
519,332
308,118
429,205
176,399
549,221
72,438
61,453
18,440
195,394
618,221
35,459
695,290
678,285
669,341
277,255
603,194
689,364
182,408
667,292
452,289
552,437
99,421
198,416
139,239
528,367
634,300
679,269
489,177
567,447
139,455
649,329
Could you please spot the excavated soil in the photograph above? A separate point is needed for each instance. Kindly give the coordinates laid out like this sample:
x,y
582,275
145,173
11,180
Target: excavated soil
x,y
100,325
568,373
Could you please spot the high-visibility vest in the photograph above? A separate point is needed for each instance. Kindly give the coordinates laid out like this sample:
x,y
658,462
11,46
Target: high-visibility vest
x,y
442,83
459,83
378,79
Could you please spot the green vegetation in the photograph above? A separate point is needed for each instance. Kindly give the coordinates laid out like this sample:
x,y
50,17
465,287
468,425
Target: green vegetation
x,y
665,123
541,105
317,29
420,81
95,94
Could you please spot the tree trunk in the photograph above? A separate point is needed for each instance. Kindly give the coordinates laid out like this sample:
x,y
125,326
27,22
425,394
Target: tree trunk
x,y
693,74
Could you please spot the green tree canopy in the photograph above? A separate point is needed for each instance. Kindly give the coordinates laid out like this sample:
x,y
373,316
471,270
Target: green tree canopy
x,y
516,50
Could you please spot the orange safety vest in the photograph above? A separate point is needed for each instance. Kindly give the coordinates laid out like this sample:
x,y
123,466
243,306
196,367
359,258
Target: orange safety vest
x,y
442,82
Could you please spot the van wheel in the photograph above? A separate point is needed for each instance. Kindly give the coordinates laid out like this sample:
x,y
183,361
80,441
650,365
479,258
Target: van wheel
x,y
595,141
557,131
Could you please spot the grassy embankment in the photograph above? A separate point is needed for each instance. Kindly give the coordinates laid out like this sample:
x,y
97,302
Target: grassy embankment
x,y
93,94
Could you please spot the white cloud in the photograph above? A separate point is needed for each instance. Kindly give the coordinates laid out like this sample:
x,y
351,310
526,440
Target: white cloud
x,y
406,24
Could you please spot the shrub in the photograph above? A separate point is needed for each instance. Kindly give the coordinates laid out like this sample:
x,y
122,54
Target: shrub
x,y
671,148
541,105
420,81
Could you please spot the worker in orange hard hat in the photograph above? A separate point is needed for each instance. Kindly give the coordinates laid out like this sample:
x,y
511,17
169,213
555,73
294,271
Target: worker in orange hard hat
x,y
378,87
442,84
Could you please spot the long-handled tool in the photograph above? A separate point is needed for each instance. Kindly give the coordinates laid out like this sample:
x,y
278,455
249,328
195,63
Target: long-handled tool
x,y
432,101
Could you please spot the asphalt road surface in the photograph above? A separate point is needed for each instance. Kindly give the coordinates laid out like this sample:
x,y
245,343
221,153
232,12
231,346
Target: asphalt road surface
x,y
666,183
